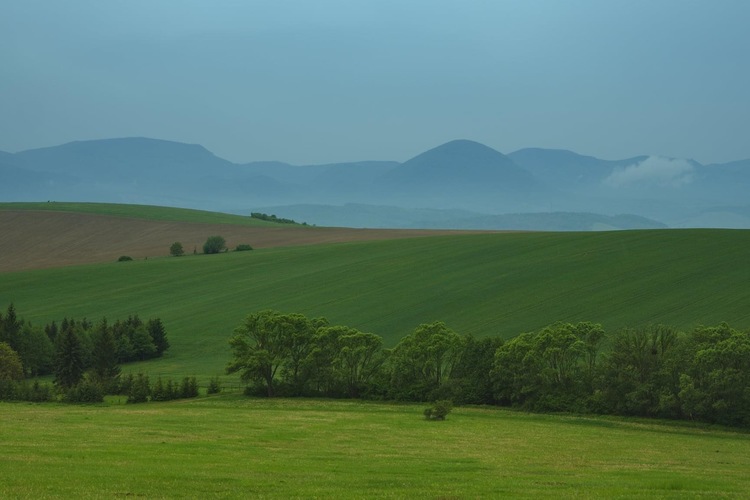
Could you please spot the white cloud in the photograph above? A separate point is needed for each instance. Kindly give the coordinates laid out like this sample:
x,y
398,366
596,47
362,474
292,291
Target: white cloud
x,y
654,171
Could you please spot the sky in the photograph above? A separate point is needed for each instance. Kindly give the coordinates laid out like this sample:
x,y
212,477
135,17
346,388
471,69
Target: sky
x,y
308,82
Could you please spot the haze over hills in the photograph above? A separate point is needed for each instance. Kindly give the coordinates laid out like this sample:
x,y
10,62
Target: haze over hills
x,y
460,184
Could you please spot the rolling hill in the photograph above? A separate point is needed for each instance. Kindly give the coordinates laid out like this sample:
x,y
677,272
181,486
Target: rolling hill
x,y
481,284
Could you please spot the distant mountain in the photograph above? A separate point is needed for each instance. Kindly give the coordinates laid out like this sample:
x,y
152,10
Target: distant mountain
x,y
459,184
566,168
125,159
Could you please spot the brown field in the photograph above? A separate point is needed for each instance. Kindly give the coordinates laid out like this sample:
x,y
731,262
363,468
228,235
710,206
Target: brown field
x,y
42,239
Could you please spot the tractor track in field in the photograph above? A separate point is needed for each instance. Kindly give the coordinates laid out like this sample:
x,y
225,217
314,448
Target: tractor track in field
x,y
32,239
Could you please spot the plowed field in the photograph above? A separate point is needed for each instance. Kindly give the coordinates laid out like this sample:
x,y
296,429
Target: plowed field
x,y
42,239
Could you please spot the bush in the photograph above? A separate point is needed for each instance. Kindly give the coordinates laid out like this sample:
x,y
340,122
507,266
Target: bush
x,y
86,391
439,410
214,386
214,244
176,249
140,390
243,248
124,258
189,387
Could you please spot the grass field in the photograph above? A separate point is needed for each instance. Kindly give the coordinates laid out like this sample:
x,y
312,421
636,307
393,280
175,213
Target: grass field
x,y
230,447
484,284
147,212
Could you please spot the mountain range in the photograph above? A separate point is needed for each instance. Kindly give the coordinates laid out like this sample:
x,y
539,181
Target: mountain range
x,y
459,184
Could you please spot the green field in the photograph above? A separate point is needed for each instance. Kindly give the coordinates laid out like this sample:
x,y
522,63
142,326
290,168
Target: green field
x,y
486,284
147,212
232,446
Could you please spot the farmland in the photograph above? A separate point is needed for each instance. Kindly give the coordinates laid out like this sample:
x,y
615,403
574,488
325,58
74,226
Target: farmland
x,y
482,284
385,283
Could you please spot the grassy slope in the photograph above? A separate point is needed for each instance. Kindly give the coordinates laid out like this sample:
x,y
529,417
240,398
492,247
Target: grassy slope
x,y
234,447
492,284
147,212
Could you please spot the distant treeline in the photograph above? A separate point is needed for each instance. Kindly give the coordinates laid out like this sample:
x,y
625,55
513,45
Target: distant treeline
x,y
75,351
273,218
650,371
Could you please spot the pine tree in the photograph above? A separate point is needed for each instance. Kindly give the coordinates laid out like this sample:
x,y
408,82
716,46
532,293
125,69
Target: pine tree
x,y
69,359
158,336
104,355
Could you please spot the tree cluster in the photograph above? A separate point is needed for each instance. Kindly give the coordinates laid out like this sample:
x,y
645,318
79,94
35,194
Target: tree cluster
x,y
272,218
75,352
653,371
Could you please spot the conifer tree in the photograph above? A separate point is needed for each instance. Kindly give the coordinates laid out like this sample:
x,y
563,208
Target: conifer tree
x,y
69,365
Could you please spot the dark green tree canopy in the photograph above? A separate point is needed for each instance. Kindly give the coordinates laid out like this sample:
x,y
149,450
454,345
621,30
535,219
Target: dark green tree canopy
x,y
176,249
214,244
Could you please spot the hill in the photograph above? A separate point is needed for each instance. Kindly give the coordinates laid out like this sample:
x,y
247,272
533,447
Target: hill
x,y
61,234
483,284
459,175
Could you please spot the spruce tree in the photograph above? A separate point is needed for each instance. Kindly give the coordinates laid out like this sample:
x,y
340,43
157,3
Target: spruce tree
x,y
69,359
104,356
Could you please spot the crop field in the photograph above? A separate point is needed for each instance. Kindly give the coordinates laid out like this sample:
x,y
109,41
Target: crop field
x,y
47,235
232,446
482,284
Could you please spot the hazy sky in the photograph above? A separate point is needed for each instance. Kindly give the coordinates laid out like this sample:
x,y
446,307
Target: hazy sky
x,y
326,81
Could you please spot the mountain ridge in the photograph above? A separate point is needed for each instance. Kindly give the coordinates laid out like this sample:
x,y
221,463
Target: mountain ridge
x,y
457,175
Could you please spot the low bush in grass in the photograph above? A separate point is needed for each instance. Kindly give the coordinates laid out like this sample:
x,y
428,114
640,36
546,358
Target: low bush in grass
x,y
86,391
439,410
214,386
125,258
11,390
242,248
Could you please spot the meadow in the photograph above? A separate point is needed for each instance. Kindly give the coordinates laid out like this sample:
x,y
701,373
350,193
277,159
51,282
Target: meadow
x,y
233,446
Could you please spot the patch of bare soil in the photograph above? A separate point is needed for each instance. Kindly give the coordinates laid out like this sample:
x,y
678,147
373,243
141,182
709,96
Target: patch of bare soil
x,y
37,240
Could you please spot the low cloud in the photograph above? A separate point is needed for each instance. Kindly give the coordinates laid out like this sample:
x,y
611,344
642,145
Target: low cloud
x,y
653,171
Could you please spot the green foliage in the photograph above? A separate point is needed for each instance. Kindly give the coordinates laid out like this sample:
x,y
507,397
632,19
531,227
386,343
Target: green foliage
x,y
423,361
261,345
214,244
214,385
271,218
243,248
140,389
69,359
10,363
104,358
86,391
176,249
439,410
35,392
124,258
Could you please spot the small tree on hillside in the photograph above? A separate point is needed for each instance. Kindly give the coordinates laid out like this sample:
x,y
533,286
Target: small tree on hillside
x,y
176,249
214,244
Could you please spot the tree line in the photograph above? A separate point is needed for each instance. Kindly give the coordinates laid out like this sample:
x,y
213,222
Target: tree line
x,y
650,371
84,357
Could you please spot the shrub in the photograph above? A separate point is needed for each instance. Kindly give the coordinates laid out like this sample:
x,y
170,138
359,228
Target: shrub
x,y
214,386
124,258
140,390
439,410
243,248
189,387
176,249
214,244
86,391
